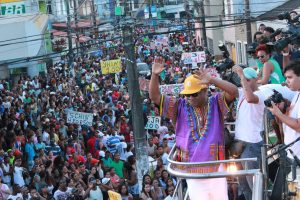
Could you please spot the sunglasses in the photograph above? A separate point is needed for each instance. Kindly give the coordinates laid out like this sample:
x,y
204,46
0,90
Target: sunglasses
x,y
192,95
262,56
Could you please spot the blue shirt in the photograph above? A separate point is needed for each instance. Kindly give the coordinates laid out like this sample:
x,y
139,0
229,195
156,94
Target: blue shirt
x,y
30,151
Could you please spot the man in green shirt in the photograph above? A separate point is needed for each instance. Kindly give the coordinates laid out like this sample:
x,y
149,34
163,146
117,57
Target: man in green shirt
x,y
107,161
118,165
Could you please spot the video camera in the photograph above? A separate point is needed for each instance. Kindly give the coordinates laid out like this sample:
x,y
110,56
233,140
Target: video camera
x,y
226,63
291,35
224,67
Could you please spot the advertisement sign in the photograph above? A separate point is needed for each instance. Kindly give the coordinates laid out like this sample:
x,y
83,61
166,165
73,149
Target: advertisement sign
x,y
14,8
153,122
193,57
111,66
80,118
173,89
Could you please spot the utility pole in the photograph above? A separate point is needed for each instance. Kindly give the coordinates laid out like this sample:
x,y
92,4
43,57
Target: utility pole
x,y
76,25
248,22
140,142
94,19
188,15
69,33
202,15
150,13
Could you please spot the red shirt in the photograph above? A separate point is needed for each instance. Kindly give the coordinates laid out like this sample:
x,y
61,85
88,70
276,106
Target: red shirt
x,y
91,144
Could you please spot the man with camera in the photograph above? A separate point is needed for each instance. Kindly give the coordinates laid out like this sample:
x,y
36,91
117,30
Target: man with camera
x,y
291,117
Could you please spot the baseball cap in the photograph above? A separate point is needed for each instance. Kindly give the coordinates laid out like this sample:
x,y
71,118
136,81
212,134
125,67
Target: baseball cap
x,y
250,73
192,85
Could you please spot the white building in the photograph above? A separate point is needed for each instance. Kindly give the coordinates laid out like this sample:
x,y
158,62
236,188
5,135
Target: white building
x,y
24,37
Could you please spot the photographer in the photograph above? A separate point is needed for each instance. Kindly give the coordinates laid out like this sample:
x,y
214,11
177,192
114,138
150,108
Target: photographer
x,y
291,118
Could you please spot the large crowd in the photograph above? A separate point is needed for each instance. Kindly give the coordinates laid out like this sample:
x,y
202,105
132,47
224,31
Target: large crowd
x,y
44,157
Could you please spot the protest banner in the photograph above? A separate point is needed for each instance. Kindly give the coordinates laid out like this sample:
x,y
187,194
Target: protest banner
x,y
80,118
153,122
111,66
144,84
193,57
173,89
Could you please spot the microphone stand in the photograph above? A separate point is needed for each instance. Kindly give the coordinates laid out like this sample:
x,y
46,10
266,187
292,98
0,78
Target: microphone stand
x,y
284,193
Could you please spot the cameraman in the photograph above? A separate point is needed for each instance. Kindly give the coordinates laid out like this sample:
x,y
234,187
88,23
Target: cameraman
x,y
291,118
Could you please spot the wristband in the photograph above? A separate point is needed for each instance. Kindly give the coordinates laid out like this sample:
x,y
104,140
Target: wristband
x,y
285,54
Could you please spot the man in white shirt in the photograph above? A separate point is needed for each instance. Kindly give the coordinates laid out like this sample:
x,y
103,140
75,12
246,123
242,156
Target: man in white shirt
x,y
63,192
291,119
249,122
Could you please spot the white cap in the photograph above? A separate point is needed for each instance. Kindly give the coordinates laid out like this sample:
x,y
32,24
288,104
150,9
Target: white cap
x,y
101,153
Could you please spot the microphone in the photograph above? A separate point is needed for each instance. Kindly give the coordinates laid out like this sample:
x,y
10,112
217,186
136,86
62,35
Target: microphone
x,y
295,157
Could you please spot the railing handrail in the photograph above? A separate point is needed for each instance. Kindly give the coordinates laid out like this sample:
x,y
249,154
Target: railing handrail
x,y
207,162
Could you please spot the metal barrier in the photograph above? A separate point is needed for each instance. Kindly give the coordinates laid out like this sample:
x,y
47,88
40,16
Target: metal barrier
x,y
174,168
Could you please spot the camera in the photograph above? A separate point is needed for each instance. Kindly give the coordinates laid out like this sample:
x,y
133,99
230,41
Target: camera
x,y
276,98
226,63
291,35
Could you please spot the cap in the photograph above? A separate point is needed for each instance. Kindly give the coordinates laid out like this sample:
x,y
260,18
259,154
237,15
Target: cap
x,y
92,180
101,153
252,47
105,180
192,85
250,73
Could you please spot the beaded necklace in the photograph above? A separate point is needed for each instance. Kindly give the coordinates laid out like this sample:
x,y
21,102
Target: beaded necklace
x,y
198,130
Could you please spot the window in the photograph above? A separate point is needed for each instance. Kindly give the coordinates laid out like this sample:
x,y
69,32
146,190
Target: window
x,y
245,58
210,45
239,52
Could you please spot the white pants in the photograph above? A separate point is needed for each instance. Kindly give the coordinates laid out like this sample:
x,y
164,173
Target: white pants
x,y
207,189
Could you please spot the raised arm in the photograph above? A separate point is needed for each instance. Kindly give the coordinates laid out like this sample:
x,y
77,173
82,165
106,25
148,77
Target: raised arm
x,y
157,68
231,91
249,95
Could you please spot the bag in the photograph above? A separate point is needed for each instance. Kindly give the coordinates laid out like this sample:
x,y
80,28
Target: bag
x,y
237,148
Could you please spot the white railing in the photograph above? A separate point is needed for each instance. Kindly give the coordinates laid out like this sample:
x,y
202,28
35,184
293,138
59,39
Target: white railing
x,y
175,169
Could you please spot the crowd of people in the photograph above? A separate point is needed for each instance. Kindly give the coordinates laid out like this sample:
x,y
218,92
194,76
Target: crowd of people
x,y
42,156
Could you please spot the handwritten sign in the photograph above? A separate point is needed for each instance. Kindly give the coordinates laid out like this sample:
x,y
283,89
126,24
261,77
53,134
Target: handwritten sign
x,y
114,195
153,122
111,66
144,84
173,89
80,118
193,57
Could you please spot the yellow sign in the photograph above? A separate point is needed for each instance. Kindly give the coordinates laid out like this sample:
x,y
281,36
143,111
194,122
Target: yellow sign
x,y
111,66
114,195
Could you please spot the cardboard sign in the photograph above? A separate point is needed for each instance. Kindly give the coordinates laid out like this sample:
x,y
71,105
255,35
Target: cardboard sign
x,y
111,66
173,89
153,122
80,118
193,57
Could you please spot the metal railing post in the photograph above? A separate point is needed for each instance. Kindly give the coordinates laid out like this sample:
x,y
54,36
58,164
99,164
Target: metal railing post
x,y
180,189
258,187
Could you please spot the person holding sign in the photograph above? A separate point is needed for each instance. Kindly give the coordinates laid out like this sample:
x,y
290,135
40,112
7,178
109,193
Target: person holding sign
x,y
199,126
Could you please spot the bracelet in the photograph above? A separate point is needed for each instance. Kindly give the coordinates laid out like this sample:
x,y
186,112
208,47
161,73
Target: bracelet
x,y
285,54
